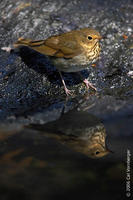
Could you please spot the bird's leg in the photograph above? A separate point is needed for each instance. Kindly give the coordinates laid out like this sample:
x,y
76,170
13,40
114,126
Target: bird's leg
x,y
67,91
87,83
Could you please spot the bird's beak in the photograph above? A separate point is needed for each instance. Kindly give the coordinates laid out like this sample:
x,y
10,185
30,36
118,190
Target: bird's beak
x,y
103,37
98,37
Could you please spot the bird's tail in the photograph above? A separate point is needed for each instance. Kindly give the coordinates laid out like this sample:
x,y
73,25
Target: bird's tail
x,y
37,45
28,42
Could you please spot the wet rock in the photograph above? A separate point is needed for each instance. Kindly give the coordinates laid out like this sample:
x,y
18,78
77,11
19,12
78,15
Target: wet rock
x,y
26,77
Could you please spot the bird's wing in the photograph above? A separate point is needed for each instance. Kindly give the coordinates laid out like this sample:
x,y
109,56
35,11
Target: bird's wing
x,y
57,46
65,47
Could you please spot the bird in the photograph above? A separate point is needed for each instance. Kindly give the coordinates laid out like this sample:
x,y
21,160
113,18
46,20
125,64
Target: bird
x,y
79,131
71,51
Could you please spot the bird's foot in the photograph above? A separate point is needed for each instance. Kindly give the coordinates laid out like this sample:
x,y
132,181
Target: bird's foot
x,y
68,92
89,85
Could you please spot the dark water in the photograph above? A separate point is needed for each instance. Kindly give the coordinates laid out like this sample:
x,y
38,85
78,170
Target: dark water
x,y
36,165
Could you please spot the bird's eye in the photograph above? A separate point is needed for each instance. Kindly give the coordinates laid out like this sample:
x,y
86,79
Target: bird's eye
x,y
89,38
97,152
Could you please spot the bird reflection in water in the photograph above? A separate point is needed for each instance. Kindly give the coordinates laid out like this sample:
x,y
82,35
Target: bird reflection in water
x,y
79,130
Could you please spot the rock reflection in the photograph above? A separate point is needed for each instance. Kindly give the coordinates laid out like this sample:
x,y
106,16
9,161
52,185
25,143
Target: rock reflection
x,y
79,130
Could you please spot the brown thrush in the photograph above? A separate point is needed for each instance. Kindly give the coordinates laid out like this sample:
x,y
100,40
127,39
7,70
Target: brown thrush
x,y
70,52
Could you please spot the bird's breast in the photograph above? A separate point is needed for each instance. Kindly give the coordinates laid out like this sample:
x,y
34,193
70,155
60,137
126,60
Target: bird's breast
x,y
93,54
